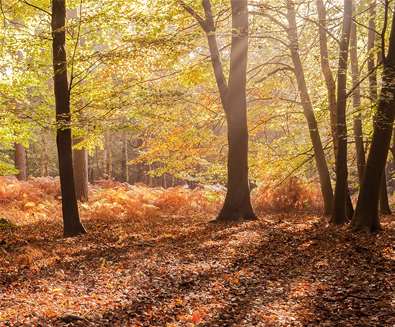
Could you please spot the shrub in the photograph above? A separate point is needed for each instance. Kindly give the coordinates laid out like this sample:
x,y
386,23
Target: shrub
x,y
291,195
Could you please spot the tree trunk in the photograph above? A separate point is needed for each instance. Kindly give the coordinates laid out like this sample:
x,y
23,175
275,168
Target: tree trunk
x,y
107,155
326,70
339,214
366,215
237,201
385,208
356,101
20,162
371,63
319,154
80,161
44,160
71,220
125,159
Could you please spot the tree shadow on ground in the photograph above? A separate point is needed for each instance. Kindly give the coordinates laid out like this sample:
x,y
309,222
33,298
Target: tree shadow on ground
x,y
277,271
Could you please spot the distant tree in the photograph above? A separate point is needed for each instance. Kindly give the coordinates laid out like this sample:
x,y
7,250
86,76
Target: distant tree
x,y
125,158
71,220
20,162
339,214
366,217
80,165
237,203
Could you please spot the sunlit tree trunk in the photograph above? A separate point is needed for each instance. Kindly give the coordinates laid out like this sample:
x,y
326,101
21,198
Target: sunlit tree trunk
x,y
44,159
20,162
366,216
339,215
356,100
107,153
71,220
326,70
80,164
319,154
125,158
237,203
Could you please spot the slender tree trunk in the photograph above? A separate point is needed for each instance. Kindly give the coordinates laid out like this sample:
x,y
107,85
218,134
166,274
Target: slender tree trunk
x,y
108,155
319,154
44,160
326,70
384,205
80,164
71,220
371,53
366,215
356,100
339,215
125,159
237,203
20,162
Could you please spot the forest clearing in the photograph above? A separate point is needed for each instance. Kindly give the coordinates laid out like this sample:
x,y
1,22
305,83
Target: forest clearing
x,y
197,163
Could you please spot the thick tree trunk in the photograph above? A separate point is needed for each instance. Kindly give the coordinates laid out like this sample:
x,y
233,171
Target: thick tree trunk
x,y
71,220
339,215
319,154
366,215
371,63
80,164
356,100
237,201
20,162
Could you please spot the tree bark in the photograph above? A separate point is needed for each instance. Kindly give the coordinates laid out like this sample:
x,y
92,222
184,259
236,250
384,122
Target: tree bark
x,y
125,159
20,162
339,214
44,159
80,164
107,155
319,154
237,203
366,217
326,70
371,63
71,221
356,101
384,205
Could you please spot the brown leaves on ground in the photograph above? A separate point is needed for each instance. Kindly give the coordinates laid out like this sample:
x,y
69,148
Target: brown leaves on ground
x,y
175,269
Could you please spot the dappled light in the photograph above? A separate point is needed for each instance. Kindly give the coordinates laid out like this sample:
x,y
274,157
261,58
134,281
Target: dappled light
x,y
197,163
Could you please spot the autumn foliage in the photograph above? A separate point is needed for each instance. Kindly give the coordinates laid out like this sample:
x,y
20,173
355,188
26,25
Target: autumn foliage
x,y
291,195
39,198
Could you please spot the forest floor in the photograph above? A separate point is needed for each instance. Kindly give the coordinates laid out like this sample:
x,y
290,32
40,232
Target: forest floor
x,y
179,269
